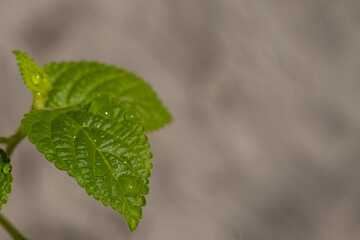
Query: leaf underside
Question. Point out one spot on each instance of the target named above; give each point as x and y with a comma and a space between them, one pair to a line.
102, 144
75, 82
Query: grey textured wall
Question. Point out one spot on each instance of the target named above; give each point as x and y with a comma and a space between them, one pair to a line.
265, 94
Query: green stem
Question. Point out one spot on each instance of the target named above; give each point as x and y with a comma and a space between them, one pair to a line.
11, 229
14, 140
4, 140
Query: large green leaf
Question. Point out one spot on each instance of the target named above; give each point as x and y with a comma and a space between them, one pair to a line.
102, 144
5, 177
75, 82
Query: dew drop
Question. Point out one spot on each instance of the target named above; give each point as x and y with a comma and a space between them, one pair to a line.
90, 190
6, 168
36, 79
129, 115
132, 187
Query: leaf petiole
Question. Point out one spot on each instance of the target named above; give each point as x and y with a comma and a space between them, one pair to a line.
4, 140
11, 229
14, 140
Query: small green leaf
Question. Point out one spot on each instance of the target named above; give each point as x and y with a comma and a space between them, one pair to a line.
103, 149
75, 82
34, 78
5, 177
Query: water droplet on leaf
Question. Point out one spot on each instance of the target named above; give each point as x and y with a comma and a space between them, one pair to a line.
129, 115
6, 168
132, 187
90, 190
36, 79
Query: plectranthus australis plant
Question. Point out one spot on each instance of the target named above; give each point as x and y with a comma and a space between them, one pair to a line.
90, 120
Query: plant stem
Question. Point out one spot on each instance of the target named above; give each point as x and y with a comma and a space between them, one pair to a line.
14, 140
4, 140
11, 229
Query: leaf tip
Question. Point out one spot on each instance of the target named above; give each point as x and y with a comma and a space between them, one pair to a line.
133, 222
34, 78
16, 52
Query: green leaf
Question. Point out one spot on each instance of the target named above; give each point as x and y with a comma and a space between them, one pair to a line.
75, 82
102, 144
34, 78
5, 177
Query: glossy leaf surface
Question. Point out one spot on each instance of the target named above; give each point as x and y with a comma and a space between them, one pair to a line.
75, 82
102, 144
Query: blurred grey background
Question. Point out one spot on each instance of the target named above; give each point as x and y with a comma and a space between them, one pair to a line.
265, 95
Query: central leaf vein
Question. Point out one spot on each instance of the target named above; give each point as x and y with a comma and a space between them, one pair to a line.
102, 156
